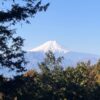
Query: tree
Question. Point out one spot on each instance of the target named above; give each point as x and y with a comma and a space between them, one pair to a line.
51, 63
11, 53
97, 71
52, 77
81, 82
53, 82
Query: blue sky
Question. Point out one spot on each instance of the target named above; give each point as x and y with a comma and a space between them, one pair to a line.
75, 24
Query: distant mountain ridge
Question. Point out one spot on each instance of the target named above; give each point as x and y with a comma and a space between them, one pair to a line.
71, 58
37, 55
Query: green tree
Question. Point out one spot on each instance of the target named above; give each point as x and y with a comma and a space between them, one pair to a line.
51, 63
11, 53
81, 82
97, 71
53, 82
52, 78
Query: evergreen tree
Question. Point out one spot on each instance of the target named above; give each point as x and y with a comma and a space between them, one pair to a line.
52, 77
11, 53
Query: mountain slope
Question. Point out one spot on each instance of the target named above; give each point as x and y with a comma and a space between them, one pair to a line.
37, 55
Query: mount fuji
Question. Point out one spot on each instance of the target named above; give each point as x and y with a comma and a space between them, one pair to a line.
50, 45
71, 58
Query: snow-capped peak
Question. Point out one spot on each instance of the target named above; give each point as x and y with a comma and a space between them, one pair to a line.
50, 45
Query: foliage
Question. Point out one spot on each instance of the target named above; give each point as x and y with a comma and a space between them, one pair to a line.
54, 82
11, 53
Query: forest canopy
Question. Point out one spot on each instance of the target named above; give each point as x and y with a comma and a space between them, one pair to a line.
53, 82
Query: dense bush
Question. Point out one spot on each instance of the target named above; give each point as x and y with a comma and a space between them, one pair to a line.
53, 82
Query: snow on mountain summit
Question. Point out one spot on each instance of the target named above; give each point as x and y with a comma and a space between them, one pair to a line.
71, 58
50, 45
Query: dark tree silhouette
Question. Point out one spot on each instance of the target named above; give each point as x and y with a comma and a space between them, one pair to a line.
81, 82
11, 53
